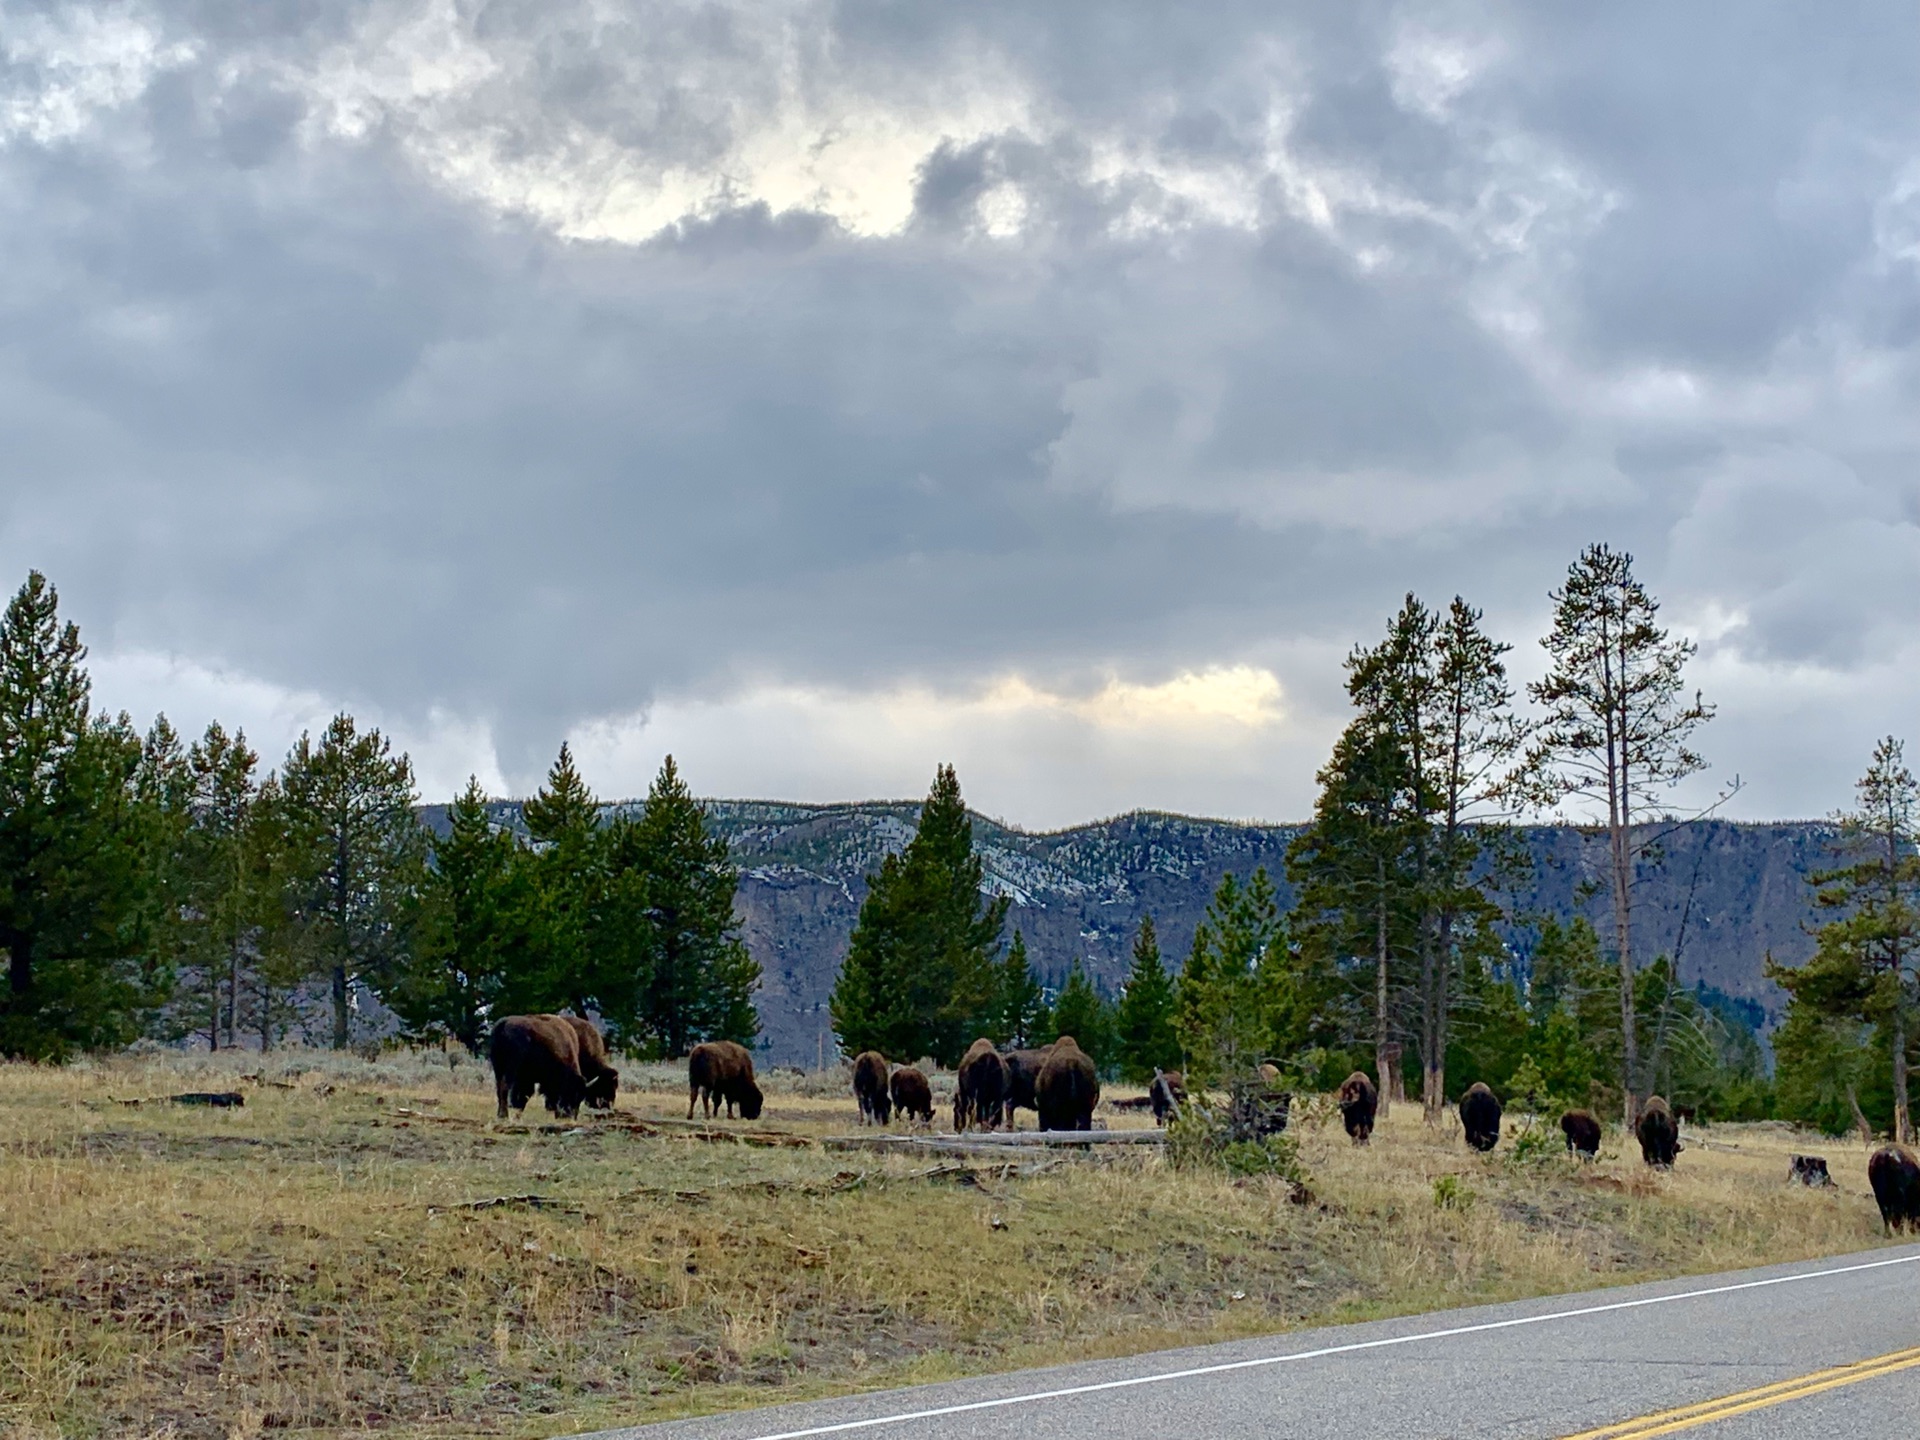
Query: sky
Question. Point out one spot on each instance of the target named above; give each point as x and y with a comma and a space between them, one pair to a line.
820, 392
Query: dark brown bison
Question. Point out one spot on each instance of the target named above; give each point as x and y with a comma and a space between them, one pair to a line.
980, 1087
540, 1052
1023, 1073
1358, 1102
1167, 1094
870, 1087
720, 1072
1659, 1136
1895, 1177
603, 1081
1809, 1170
1583, 1133
1067, 1089
1480, 1117
912, 1095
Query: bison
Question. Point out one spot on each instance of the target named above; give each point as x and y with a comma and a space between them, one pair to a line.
1067, 1089
1659, 1136
1480, 1117
1895, 1177
980, 1089
870, 1087
720, 1072
1809, 1170
602, 1080
1167, 1094
540, 1052
912, 1095
1583, 1133
1358, 1102
1023, 1071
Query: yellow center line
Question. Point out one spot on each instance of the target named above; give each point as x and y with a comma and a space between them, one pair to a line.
1685, 1417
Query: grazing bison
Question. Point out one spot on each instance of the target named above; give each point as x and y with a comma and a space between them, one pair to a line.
1167, 1094
1583, 1133
540, 1052
603, 1081
1358, 1102
980, 1088
1895, 1177
870, 1087
1659, 1136
1023, 1072
1480, 1117
912, 1095
720, 1072
1067, 1089
1809, 1170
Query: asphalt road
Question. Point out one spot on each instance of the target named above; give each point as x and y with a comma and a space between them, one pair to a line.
1757, 1353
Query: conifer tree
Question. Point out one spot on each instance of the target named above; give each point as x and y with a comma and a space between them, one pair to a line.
1860, 971
1615, 734
357, 853
692, 978
1221, 1010
1080, 1010
71, 855
472, 937
1143, 1022
564, 966
920, 976
221, 859
1021, 1016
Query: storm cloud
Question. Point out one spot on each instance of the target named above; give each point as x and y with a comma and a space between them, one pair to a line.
821, 391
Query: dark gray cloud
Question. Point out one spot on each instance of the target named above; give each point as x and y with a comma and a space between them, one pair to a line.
506, 369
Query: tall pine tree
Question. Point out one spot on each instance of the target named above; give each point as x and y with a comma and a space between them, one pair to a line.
1222, 1010
1021, 1015
920, 976
1145, 1039
1080, 1010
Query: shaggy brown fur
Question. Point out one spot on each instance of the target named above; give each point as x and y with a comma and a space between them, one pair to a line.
720, 1072
870, 1087
1023, 1072
1480, 1117
1659, 1136
603, 1081
1895, 1177
980, 1089
912, 1095
1359, 1102
1067, 1089
1167, 1094
1582, 1130
536, 1052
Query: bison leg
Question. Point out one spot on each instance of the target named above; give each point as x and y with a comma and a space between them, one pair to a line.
693, 1094
502, 1087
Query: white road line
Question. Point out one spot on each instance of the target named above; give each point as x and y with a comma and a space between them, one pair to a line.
1162, 1378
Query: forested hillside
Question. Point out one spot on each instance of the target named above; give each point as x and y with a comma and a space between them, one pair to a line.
1723, 896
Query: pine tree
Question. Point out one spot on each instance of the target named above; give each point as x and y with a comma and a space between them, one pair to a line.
692, 978
920, 976
1080, 1010
227, 901
72, 908
464, 962
1615, 735
1021, 1008
358, 856
565, 961
1221, 1009
1355, 870
1143, 1022
1860, 969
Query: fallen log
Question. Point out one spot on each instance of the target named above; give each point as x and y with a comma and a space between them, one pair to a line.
988, 1142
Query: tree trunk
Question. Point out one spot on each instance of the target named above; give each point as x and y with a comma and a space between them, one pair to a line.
20, 965
1902, 1127
1433, 1082
1380, 1039
1859, 1117
340, 1031
1622, 857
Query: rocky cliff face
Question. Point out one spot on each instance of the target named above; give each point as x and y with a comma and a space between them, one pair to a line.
1721, 895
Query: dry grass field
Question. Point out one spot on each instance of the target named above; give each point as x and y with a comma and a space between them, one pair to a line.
361, 1247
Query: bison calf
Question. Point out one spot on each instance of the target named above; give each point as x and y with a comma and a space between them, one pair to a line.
1583, 1133
1659, 1136
720, 1072
1480, 1117
1167, 1094
1895, 1177
912, 1095
536, 1052
870, 1087
1359, 1102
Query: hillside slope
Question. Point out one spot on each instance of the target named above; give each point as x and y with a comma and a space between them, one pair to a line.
1723, 894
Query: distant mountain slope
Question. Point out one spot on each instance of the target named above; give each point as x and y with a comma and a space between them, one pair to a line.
1741, 889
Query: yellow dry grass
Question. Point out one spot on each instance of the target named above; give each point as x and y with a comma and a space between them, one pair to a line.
315, 1263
